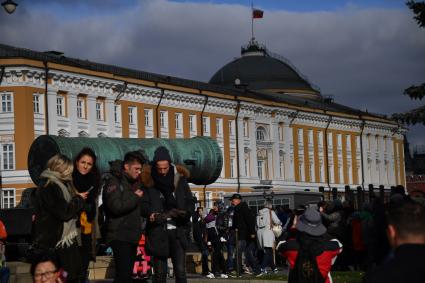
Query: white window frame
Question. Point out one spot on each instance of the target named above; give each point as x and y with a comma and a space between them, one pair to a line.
6, 105
131, 115
81, 108
261, 133
60, 106
300, 134
192, 123
117, 114
209, 199
245, 128
36, 103
310, 137
11, 199
178, 121
219, 127
232, 168
99, 111
148, 117
281, 132
163, 115
8, 157
206, 125
231, 127
247, 166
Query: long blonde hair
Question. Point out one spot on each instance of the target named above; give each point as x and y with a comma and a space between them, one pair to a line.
62, 165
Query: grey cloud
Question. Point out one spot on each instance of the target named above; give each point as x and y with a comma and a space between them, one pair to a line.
366, 58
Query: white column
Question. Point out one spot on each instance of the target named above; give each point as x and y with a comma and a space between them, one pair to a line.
383, 175
392, 162
274, 136
239, 124
289, 140
91, 116
52, 112
72, 113
110, 117
253, 146
366, 171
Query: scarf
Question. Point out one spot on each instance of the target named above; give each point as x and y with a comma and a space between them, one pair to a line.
70, 232
165, 184
83, 182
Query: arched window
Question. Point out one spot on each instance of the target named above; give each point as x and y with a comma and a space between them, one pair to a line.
261, 134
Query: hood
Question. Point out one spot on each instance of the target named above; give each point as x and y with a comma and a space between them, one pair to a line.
264, 211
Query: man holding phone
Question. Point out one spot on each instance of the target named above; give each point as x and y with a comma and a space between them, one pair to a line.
121, 198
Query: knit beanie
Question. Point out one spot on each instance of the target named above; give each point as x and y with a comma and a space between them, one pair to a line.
161, 154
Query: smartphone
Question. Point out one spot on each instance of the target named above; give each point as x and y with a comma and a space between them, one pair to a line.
91, 188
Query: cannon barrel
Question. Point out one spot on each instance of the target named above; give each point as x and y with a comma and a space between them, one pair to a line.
201, 155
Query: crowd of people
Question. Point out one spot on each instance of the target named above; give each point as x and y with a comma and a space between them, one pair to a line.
76, 208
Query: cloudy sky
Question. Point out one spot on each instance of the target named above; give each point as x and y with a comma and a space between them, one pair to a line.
365, 53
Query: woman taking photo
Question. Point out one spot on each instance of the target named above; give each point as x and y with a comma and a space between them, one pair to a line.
56, 210
86, 178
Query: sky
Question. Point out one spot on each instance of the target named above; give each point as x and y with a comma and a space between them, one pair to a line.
364, 53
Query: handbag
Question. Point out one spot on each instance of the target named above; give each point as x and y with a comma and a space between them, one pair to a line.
276, 228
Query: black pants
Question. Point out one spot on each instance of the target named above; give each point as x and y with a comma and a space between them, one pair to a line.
124, 257
268, 259
178, 257
218, 265
86, 253
70, 259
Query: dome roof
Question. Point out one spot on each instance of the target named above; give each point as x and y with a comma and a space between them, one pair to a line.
257, 70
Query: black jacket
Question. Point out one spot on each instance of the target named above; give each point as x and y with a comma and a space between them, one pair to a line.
244, 221
51, 211
154, 202
406, 265
122, 209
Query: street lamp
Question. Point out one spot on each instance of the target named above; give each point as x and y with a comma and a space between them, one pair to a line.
9, 6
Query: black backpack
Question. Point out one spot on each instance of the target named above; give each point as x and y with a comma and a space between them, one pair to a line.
306, 269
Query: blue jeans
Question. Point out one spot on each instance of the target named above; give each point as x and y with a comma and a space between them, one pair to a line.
230, 264
248, 248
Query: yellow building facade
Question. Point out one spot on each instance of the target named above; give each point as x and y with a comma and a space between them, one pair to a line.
283, 135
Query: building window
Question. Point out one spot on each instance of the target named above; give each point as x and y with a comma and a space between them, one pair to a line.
310, 171
246, 165
36, 103
80, 108
261, 169
321, 170
280, 132
348, 142
132, 115
385, 144
99, 111
206, 124
8, 157
376, 143
261, 134
320, 138
6, 102
8, 198
178, 120
340, 172
245, 128
209, 201
148, 113
60, 106
163, 119
330, 140
117, 113
219, 126
339, 140
192, 123
231, 127
232, 168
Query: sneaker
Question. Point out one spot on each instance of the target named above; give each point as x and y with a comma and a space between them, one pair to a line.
275, 270
260, 274
246, 270
233, 274
223, 276
210, 275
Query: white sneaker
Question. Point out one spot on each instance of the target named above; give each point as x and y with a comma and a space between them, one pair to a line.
210, 275
224, 276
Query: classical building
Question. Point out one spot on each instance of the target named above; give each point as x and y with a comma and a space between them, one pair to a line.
274, 127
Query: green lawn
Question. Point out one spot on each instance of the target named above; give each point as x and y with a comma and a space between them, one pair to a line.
347, 276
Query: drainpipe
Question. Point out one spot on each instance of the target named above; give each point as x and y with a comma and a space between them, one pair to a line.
361, 150
327, 153
202, 134
2, 74
238, 107
1, 178
158, 126
46, 101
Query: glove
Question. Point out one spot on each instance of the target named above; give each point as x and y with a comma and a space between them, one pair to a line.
160, 218
175, 213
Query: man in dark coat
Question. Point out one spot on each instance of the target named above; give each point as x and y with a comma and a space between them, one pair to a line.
406, 234
121, 199
168, 206
244, 221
